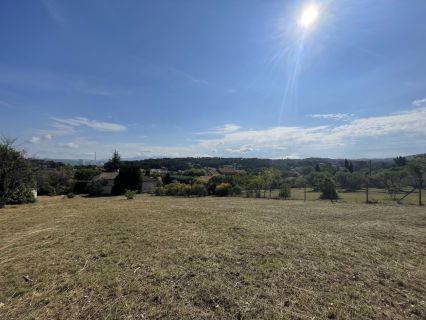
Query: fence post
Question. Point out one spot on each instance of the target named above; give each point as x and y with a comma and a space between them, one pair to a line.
368, 181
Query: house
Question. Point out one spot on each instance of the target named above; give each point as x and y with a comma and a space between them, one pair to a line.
107, 182
149, 184
158, 172
229, 170
107, 179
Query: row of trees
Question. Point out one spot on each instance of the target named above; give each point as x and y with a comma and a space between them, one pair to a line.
19, 176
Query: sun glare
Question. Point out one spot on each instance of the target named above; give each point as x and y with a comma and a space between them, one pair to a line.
309, 16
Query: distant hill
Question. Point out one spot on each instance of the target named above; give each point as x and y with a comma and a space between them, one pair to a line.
248, 164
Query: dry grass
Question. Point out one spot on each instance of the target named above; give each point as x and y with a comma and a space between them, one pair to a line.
211, 258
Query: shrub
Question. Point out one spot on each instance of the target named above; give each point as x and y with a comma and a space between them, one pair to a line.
328, 190
184, 190
160, 191
22, 194
223, 189
130, 194
285, 191
172, 189
235, 190
95, 187
199, 190
70, 195
80, 187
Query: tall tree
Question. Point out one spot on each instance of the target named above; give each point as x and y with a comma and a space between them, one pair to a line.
351, 167
346, 164
400, 161
114, 163
15, 170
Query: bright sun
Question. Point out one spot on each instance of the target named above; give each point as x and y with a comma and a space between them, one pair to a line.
309, 16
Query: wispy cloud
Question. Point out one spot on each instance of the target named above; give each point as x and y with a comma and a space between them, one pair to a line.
94, 124
370, 136
333, 116
70, 145
317, 140
419, 103
223, 129
35, 140
54, 11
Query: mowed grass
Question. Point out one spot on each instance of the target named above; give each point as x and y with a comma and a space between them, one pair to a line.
211, 258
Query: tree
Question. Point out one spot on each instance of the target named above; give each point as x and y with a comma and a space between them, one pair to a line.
15, 171
351, 167
114, 163
269, 176
167, 179
400, 161
317, 168
328, 190
129, 178
349, 181
346, 164
223, 190
285, 191
199, 189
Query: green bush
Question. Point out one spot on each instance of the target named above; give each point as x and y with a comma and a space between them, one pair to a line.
223, 189
130, 194
172, 189
70, 195
22, 194
80, 187
184, 190
285, 191
199, 190
328, 190
235, 190
160, 191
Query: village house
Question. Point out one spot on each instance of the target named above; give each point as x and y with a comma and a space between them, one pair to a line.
148, 183
229, 170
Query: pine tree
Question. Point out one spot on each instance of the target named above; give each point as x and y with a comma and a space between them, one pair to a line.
346, 164
351, 167
114, 163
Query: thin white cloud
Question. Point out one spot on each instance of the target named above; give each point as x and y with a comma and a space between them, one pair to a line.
220, 130
419, 103
94, 124
387, 135
70, 145
35, 140
333, 116
54, 11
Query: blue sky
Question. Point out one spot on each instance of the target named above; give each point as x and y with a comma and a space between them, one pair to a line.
213, 78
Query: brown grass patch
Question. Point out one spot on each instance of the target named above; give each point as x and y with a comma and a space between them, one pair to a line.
211, 258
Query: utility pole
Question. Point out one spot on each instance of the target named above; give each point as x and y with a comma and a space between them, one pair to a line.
368, 181
304, 193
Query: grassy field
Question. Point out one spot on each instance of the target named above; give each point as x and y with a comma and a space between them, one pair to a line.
211, 258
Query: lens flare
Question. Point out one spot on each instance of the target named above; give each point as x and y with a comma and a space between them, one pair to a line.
309, 16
